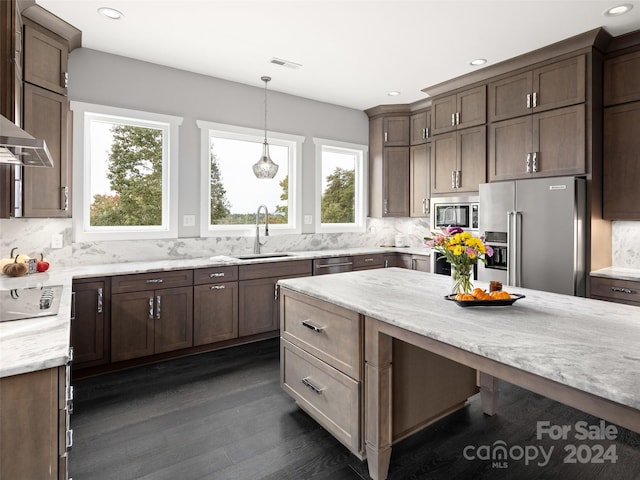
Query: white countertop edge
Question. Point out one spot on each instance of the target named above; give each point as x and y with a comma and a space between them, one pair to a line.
618, 273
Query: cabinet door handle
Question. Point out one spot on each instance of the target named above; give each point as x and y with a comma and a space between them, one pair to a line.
276, 292
535, 99
307, 383
214, 275
386, 206
313, 327
150, 308
158, 307
100, 298
457, 118
217, 287
154, 280
73, 306
453, 119
453, 179
528, 163
64, 191
368, 260
534, 166
528, 100
622, 290
426, 134
65, 79
386, 263
458, 175
385, 137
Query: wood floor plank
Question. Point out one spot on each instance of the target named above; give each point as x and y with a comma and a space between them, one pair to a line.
223, 416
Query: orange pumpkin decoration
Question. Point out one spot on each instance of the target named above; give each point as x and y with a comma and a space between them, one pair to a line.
500, 295
465, 296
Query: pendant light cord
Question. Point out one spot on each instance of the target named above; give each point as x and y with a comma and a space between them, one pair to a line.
265, 80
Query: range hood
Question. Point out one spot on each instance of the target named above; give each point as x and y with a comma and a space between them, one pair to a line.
17, 147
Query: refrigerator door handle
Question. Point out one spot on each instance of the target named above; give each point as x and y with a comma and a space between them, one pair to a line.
510, 248
518, 249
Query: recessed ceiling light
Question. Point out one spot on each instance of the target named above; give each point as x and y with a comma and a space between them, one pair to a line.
618, 10
111, 13
477, 62
393, 93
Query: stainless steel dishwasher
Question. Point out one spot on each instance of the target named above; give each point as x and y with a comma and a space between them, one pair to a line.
322, 266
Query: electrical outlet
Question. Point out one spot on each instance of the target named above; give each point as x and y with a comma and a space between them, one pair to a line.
189, 220
308, 219
57, 240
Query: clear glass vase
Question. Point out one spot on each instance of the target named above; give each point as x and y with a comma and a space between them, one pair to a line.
461, 277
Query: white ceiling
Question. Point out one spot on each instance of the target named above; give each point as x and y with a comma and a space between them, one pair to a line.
352, 52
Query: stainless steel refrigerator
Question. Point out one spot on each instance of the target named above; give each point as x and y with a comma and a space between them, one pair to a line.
537, 230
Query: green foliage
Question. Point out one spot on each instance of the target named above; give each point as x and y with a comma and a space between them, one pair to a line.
135, 175
219, 203
283, 210
338, 201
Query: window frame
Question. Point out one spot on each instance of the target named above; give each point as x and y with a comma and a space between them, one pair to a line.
84, 114
234, 132
361, 188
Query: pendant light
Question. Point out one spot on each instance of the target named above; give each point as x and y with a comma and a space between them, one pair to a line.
265, 168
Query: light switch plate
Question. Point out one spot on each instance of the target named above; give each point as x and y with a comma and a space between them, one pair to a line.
308, 219
57, 240
189, 220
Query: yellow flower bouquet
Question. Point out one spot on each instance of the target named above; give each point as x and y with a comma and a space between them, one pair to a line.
462, 250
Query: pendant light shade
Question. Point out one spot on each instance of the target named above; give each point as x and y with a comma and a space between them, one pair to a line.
265, 168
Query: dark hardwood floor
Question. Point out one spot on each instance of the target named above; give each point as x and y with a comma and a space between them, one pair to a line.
222, 415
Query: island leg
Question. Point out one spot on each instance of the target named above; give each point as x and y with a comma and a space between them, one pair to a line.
489, 393
378, 397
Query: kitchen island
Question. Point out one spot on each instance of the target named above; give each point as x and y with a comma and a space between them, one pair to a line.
581, 352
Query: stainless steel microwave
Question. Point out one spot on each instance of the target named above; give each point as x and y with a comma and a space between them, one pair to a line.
463, 212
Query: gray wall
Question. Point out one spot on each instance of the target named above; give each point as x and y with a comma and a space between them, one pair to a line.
98, 77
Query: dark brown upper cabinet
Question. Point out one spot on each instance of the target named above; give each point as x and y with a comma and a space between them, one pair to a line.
421, 127
461, 110
45, 59
622, 79
556, 85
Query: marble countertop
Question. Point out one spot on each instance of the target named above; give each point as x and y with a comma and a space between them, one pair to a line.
35, 344
618, 273
587, 344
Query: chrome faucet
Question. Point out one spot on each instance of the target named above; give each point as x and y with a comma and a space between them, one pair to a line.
257, 244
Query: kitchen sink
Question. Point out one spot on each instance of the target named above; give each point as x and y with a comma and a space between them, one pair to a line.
255, 256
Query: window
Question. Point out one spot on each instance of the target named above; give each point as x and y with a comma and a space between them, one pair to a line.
232, 194
129, 173
340, 186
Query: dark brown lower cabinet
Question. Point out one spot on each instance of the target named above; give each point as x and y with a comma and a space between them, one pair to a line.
153, 321
33, 425
259, 305
215, 314
89, 329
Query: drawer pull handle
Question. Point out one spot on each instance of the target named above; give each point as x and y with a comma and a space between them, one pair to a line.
313, 327
368, 259
621, 290
217, 287
213, 275
155, 280
307, 383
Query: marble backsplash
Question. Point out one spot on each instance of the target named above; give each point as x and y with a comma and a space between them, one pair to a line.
33, 236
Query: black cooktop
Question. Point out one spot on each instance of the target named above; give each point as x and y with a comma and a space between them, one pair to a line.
21, 303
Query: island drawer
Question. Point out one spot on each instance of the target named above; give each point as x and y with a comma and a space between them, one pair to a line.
331, 333
203, 276
326, 394
363, 262
623, 291
151, 281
